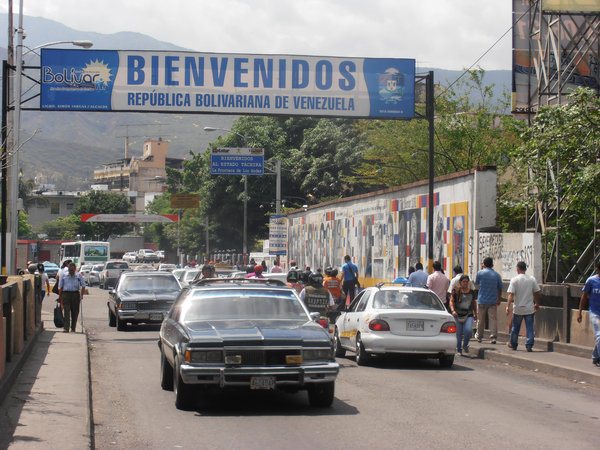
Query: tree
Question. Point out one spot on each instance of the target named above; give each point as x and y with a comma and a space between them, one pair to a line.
560, 155
64, 228
467, 134
103, 202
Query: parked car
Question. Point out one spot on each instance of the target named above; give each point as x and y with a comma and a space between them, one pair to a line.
165, 267
146, 255
93, 277
188, 276
112, 271
396, 319
160, 254
50, 269
141, 297
85, 270
130, 257
251, 333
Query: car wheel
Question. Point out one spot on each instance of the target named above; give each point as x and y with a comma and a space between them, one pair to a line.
166, 373
121, 325
112, 320
340, 351
320, 395
362, 357
184, 395
446, 361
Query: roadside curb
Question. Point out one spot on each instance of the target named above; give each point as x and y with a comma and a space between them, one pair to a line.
14, 367
577, 375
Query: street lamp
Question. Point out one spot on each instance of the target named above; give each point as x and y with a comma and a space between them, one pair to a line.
12, 156
245, 232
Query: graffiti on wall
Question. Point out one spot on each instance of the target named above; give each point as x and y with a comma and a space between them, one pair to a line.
507, 249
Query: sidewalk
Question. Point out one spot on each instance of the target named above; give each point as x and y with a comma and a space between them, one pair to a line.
48, 404
541, 359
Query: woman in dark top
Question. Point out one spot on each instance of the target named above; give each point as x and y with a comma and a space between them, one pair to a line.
463, 306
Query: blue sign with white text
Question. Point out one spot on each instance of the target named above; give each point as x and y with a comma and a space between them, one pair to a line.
161, 81
237, 161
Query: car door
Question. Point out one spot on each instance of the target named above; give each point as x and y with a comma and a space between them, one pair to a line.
349, 325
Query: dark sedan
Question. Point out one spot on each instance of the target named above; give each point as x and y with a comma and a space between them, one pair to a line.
253, 333
141, 297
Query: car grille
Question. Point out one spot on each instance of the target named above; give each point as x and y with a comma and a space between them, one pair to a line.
154, 305
262, 357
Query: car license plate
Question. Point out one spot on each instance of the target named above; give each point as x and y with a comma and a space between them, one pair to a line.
415, 325
262, 383
156, 316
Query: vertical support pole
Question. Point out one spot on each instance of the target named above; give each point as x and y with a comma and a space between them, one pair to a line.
245, 235
557, 268
207, 240
4, 162
430, 118
277, 187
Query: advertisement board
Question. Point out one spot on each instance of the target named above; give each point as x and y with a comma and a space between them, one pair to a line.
237, 161
161, 81
278, 225
185, 201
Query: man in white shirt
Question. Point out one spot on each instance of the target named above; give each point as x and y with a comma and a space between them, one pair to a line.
524, 292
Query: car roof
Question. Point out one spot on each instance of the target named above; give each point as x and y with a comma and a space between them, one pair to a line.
147, 272
236, 283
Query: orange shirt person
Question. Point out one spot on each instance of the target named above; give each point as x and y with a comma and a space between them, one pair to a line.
333, 284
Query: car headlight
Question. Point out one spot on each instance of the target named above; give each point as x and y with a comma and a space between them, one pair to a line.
203, 356
317, 354
127, 305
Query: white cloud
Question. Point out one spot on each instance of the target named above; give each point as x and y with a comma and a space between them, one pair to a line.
437, 33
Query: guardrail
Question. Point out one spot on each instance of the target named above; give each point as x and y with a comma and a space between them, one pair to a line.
21, 316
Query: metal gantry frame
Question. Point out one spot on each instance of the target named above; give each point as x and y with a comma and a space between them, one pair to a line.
564, 50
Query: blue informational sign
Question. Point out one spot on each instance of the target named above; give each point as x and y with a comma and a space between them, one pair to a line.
237, 161
161, 81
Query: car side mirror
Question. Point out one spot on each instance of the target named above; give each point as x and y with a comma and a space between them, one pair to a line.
314, 316
111, 291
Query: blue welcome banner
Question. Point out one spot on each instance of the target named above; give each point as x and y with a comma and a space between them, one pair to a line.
160, 81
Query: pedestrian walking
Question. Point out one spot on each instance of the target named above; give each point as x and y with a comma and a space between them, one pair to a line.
488, 299
525, 293
591, 298
463, 306
439, 283
45, 281
71, 288
418, 278
276, 267
349, 278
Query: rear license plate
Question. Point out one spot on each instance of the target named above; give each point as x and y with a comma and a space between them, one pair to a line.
156, 316
262, 383
415, 325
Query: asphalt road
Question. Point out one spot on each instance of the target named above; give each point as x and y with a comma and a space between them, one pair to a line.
394, 404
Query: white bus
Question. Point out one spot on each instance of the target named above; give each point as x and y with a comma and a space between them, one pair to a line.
85, 252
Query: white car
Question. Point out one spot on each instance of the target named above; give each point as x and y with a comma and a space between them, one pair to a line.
130, 257
165, 267
93, 276
396, 319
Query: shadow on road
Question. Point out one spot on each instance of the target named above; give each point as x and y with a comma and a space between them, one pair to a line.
216, 402
406, 362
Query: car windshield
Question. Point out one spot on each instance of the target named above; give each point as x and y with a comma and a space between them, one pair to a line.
239, 304
190, 275
84, 267
147, 284
49, 264
117, 265
98, 267
389, 299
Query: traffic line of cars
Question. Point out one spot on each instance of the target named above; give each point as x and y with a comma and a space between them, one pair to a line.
257, 333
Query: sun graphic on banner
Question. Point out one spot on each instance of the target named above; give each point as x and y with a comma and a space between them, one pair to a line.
100, 70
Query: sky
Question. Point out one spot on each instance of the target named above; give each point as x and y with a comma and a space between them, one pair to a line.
447, 34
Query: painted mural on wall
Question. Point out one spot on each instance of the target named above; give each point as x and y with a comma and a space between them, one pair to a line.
384, 236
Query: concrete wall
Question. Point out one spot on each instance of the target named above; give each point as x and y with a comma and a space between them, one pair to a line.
507, 249
385, 232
